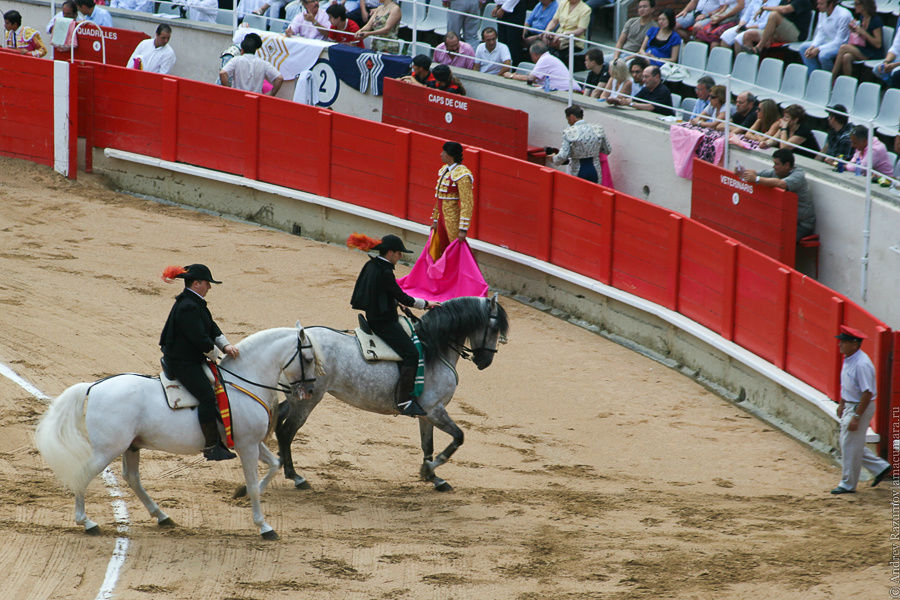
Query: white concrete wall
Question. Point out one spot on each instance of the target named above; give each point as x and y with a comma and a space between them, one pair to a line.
641, 161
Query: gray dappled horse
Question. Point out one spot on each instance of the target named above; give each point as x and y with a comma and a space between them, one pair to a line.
344, 373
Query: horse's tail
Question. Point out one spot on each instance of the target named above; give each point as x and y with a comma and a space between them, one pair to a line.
62, 440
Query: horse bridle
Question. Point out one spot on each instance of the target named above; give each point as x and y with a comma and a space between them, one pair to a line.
464, 351
293, 385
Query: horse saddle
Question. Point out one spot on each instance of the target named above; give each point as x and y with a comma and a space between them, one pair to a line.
373, 348
176, 394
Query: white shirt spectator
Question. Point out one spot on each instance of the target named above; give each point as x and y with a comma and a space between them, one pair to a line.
249, 71
138, 5
554, 71
300, 26
832, 30
485, 59
201, 10
153, 59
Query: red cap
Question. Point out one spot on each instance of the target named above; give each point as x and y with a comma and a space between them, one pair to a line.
849, 334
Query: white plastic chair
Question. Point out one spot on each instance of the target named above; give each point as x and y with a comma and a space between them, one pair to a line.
693, 59
887, 38
486, 19
820, 136
818, 91
768, 78
224, 17
256, 22
893, 158
744, 72
687, 107
420, 48
719, 62
865, 104
676, 102
524, 67
886, 122
844, 91
435, 19
793, 85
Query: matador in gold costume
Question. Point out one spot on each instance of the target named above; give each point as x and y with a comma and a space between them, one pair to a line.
453, 200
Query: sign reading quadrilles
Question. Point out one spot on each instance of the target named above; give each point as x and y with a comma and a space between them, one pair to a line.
120, 43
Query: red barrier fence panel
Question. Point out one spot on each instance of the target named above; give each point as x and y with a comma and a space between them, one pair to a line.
582, 219
760, 306
212, 126
813, 321
512, 207
294, 146
26, 108
706, 290
644, 236
127, 110
880, 348
424, 162
120, 44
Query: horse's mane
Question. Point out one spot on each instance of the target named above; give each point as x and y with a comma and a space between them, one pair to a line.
457, 318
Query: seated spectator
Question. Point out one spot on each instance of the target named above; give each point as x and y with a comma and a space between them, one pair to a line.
582, 144
343, 30
704, 85
571, 18
454, 52
619, 84
723, 19
859, 140
793, 133
787, 23
136, 5
654, 91
420, 71
837, 143
537, 21
753, 18
444, 80
200, 10
155, 54
383, 22
785, 175
636, 68
661, 42
767, 124
310, 22
745, 111
23, 40
95, 14
713, 116
492, 56
548, 71
695, 15
68, 11
832, 31
247, 71
865, 43
635, 29
887, 71
597, 75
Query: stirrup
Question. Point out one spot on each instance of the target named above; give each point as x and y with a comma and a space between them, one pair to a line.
218, 452
411, 408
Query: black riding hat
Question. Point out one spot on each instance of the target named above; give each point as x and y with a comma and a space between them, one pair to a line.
391, 242
197, 272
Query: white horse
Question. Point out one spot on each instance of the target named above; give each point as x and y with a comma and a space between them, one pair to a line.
90, 424
370, 386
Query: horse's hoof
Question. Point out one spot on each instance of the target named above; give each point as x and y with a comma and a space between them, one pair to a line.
444, 487
95, 530
302, 484
167, 522
240, 492
426, 473
269, 535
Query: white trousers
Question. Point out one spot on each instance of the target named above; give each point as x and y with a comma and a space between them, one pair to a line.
854, 453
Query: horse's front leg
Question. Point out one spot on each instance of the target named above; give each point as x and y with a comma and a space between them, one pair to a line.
249, 457
273, 463
426, 435
439, 418
292, 414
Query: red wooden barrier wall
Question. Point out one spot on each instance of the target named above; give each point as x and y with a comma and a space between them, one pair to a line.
26, 108
773, 311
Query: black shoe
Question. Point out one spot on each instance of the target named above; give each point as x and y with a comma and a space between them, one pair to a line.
881, 476
218, 452
840, 490
411, 408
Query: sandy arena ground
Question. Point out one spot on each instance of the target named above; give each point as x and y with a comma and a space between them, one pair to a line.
588, 471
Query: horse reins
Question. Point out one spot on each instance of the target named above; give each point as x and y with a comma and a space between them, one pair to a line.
287, 389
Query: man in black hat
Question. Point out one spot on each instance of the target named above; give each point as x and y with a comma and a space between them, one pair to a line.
189, 337
855, 410
377, 293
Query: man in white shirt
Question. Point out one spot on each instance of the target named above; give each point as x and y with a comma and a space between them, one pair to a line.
310, 22
549, 71
832, 31
490, 52
855, 410
95, 14
68, 11
136, 5
154, 55
248, 70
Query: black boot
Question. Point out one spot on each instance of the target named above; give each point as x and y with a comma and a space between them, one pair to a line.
405, 384
213, 449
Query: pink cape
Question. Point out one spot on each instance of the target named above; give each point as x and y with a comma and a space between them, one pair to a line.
453, 275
